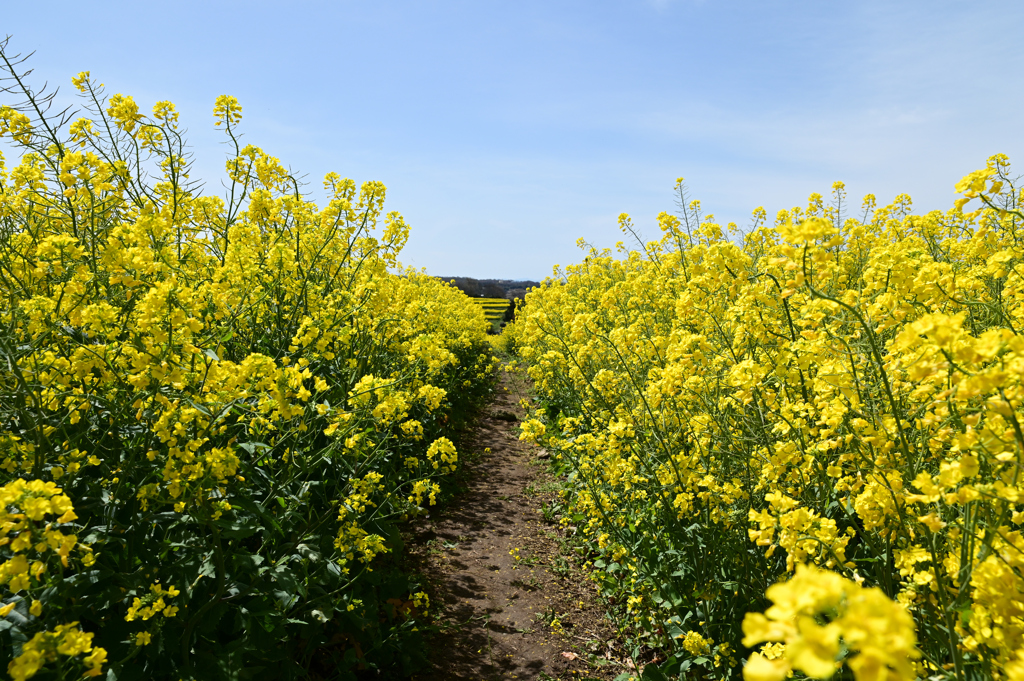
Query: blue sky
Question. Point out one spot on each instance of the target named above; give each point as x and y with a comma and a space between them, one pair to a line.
506, 130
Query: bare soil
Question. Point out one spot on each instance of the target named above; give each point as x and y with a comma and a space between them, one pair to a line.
508, 596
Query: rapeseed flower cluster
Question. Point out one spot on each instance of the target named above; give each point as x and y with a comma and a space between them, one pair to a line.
833, 396
816, 616
214, 411
48, 647
34, 543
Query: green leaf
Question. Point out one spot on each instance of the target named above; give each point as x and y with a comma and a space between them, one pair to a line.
652, 673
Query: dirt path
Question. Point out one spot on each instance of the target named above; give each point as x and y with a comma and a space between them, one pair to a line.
509, 604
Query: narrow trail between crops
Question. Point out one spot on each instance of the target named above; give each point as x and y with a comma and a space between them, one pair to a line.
508, 603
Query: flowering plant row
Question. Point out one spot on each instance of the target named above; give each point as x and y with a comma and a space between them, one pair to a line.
833, 402
213, 411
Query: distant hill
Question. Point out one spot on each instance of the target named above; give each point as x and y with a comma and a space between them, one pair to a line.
492, 288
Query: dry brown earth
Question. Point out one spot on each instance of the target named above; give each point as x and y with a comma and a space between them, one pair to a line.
507, 600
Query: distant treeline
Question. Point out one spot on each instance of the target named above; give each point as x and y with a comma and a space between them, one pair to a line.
491, 288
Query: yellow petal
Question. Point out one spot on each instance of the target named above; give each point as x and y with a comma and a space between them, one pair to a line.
759, 668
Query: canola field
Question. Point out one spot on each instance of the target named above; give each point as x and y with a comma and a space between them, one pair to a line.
214, 412
798, 450
494, 310
792, 452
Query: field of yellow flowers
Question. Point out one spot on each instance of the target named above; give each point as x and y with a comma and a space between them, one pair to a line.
213, 411
800, 449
